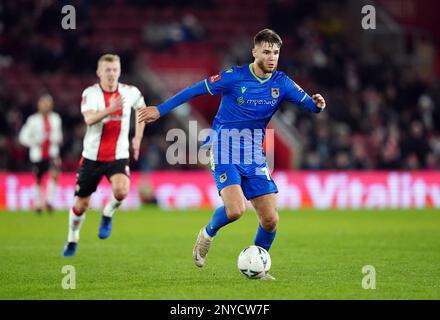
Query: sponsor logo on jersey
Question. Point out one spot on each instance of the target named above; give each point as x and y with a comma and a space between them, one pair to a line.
275, 92
256, 102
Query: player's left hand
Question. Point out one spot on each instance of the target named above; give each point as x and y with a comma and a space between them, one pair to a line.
136, 144
148, 114
319, 100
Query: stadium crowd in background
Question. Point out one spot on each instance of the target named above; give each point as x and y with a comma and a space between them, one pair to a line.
383, 113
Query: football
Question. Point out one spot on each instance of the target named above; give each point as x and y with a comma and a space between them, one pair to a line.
254, 262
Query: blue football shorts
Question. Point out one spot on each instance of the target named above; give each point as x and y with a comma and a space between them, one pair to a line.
255, 179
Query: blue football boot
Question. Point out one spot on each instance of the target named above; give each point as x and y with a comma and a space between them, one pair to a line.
105, 228
70, 249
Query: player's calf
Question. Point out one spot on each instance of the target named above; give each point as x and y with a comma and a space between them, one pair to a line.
76, 219
77, 215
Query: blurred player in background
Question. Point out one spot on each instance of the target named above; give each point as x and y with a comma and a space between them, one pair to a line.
250, 96
106, 107
42, 134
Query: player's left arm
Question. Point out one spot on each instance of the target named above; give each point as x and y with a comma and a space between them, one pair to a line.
140, 126
315, 103
137, 139
29, 135
59, 130
24, 136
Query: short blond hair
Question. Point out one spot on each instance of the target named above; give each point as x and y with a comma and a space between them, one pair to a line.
108, 57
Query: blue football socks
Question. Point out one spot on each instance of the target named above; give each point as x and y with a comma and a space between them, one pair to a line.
264, 238
219, 220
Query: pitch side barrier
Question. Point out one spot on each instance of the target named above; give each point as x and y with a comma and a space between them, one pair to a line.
297, 189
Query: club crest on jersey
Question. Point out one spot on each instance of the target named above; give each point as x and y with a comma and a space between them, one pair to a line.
223, 177
215, 78
275, 92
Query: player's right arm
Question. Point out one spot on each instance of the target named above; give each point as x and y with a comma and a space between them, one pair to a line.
89, 108
213, 85
93, 117
28, 136
25, 135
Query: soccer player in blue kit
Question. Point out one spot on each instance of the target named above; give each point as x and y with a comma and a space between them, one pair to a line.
250, 96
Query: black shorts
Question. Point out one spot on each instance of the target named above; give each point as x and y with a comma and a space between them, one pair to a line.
40, 168
91, 172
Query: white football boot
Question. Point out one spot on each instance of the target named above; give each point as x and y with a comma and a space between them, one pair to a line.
201, 248
267, 277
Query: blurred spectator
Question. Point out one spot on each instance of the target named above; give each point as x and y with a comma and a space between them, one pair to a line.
389, 157
191, 28
416, 147
156, 35
162, 35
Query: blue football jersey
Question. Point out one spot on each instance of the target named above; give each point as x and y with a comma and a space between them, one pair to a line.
248, 102
249, 99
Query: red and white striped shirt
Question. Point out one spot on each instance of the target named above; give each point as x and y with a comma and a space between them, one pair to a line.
42, 135
107, 140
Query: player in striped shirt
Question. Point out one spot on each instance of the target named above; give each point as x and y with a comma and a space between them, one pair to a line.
42, 134
106, 107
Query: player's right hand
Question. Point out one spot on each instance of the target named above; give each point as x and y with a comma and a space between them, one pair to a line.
148, 114
116, 104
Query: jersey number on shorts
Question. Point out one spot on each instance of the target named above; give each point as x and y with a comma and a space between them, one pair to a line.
266, 172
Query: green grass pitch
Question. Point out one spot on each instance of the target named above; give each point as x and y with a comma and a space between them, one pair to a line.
316, 255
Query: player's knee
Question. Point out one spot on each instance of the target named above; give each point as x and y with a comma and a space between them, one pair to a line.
54, 175
235, 212
120, 193
82, 205
270, 223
